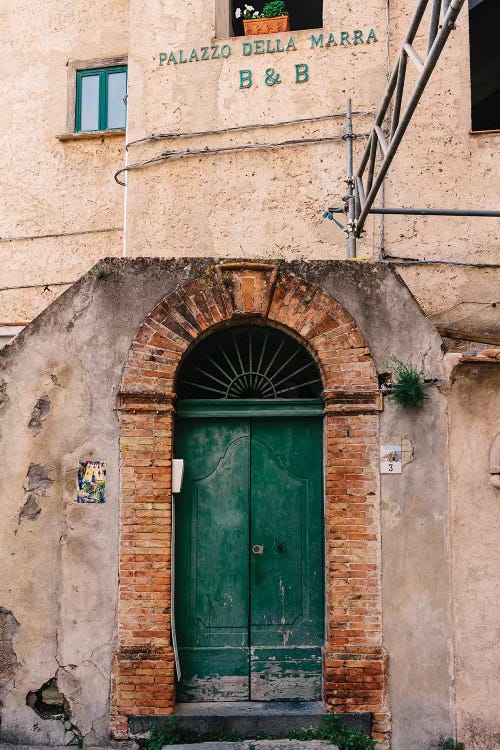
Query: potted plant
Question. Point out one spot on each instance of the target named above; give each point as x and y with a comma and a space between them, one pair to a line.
272, 20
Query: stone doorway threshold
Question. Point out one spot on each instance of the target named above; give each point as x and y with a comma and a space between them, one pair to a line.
247, 719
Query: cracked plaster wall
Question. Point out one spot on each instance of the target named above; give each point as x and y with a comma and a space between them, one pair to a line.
60, 568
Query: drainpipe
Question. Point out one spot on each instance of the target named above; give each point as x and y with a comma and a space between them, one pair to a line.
124, 241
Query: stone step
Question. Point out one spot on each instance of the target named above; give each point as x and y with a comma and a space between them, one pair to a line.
244, 720
256, 745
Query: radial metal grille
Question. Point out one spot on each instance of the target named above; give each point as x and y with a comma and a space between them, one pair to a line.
249, 362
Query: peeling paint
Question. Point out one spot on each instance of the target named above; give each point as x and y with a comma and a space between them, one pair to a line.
40, 413
36, 484
8, 659
282, 596
215, 688
30, 509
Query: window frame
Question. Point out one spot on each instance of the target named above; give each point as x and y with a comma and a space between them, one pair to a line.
477, 66
103, 112
224, 20
76, 66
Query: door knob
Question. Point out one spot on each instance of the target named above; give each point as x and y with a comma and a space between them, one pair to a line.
258, 549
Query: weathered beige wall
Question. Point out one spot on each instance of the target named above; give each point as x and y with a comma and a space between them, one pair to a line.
271, 201
252, 203
440, 163
47, 186
474, 416
249, 204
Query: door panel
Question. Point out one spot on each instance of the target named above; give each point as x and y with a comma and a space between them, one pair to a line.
286, 578
279, 502
250, 624
212, 518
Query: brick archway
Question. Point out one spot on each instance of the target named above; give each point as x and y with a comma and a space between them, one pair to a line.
354, 665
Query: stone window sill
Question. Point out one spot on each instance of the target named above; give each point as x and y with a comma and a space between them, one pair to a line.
90, 136
484, 132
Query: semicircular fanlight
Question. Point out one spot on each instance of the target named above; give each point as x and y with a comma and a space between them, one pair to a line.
249, 362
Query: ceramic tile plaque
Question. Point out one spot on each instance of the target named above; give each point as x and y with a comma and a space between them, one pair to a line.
391, 459
91, 482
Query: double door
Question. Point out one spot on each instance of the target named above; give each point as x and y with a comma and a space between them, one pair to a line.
249, 604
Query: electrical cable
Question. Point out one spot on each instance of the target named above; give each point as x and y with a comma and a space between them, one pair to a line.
167, 155
60, 234
36, 286
409, 262
239, 128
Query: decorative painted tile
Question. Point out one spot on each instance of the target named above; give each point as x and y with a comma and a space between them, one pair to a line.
91, 482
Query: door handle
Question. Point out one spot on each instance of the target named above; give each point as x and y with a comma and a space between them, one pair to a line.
258, 549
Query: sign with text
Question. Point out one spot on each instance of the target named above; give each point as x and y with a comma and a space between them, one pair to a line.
251, 48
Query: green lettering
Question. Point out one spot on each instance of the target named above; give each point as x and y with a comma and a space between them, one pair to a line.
204, 53
331, 41
246, 49
245, 79
344, 37
193, 56
268, 47
225, 50
181, 58
371, 37
317, 41
279, 48
358, 36
290, 45
259, 47
163, 57
301, 73
171, 58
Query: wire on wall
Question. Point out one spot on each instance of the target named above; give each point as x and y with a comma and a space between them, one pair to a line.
240, 128
167, 155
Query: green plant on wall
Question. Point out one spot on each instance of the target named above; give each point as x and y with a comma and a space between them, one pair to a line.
274, 8
169, 735
450, 744
100, 272
333, 730
408, 388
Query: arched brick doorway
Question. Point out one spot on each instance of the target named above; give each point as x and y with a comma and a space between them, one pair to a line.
353, 660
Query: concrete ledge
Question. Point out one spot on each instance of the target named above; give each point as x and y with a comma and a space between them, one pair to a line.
245, 720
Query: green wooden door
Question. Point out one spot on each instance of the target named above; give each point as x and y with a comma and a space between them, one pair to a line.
286, 578
249, 558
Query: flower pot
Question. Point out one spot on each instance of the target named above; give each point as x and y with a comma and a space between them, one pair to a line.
263, 26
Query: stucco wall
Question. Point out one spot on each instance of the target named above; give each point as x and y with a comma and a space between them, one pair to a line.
474, 416
49, 187
65, 600
254, 203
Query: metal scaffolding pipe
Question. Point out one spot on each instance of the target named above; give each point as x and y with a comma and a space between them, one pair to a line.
350, 197
429, 65
426, 212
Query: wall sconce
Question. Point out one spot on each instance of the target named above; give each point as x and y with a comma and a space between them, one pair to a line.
495, 462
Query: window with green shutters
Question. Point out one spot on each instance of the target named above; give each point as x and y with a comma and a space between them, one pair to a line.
101, 99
